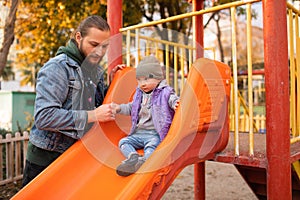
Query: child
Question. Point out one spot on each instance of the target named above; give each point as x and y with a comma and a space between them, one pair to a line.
151, 110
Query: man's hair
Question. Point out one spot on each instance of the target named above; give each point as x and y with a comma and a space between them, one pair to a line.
93, 21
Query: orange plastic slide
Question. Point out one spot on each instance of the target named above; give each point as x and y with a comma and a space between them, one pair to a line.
199, 130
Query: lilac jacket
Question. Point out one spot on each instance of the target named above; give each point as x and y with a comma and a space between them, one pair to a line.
162, 104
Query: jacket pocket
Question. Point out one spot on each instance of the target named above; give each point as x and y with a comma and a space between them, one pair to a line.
74, 92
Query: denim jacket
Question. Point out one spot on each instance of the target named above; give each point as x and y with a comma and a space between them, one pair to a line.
59, 116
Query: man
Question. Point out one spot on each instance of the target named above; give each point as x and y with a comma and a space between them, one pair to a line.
69, 94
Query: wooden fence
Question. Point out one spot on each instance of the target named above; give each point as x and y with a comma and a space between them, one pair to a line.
12, 157
258, 120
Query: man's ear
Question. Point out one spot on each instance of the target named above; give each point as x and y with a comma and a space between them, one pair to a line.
78, 37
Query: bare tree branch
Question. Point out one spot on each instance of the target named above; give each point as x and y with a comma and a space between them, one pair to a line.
8, 34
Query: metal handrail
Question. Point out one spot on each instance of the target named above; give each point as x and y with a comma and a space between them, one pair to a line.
190, 14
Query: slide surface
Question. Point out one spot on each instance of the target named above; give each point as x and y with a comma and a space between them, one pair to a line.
199, 130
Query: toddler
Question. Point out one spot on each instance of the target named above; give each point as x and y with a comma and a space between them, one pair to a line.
151, 110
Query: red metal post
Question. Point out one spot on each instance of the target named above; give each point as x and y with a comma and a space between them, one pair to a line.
199, 181
114, 19
277, 99
198, 28
199, 168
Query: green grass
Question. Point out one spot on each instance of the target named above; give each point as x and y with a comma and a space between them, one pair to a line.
257, 110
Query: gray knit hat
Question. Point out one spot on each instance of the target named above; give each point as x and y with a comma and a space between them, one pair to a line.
149, 67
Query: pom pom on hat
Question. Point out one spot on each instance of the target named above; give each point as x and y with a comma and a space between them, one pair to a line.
149, 67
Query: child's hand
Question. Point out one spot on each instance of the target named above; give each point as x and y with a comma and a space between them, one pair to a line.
115, 107
176, 105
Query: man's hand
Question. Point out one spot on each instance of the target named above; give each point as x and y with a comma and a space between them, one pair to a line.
103, 113
114, 70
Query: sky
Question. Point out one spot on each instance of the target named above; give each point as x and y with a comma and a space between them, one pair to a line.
258, 9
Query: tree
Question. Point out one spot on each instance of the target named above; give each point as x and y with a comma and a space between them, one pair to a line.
43, 26
8, 73
8, 34
218, 15
131, 12
169, 31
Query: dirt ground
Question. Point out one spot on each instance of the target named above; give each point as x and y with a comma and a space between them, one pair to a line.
223, 182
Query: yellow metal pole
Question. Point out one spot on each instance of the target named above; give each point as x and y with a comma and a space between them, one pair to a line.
298, 75
156, 50
175, 70
295, 139
235, 80
128, 48
182, 68
190, 14
167, 64
147, 49
290, 6
232, 116
250, 86
137, 44
163, 42
292, 71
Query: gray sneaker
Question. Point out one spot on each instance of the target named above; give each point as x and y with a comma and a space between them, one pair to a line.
128, 166
139, 163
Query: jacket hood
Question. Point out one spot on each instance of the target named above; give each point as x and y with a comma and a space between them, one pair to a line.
72, 51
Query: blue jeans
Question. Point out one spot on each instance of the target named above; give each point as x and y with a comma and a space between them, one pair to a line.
140, 139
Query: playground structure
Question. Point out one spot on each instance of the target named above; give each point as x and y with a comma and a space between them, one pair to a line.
200, 129
268, 162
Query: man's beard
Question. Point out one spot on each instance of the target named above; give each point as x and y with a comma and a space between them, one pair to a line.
90, 65
89, 69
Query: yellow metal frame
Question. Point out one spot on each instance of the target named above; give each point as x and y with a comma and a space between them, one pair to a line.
294, 52
236, 100
296, 166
